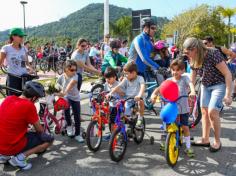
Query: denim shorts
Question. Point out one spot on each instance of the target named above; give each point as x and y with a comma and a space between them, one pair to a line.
33, 140
212, 96
184, 119
128, 105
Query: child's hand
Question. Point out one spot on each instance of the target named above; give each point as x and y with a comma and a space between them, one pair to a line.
153, 98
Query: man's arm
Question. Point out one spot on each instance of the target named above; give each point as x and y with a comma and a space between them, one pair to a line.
229, 53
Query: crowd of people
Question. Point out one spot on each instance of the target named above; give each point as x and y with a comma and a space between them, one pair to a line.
215, 64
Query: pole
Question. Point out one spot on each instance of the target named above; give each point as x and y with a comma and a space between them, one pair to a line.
106, 17
23, 4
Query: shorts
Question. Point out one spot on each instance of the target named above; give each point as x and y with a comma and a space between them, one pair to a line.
212, 96
184, 119
113, 113
33, 140
128, 107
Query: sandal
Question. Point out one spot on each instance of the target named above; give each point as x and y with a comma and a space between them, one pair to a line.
200, 144
213, 150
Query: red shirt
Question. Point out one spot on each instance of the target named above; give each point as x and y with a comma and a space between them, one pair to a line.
15, 116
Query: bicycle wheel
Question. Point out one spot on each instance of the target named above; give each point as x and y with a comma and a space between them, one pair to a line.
139, 133
97, 88
117, 145
171, 150
195, 114
94, 136
43, 65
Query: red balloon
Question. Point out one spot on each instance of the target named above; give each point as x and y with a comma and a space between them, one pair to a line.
169, 90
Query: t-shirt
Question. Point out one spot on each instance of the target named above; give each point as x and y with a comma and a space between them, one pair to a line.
15, 116
16, 59
93, 52
133, 87
105, 48
210, 74
107, 88
123, 51
76, 56
183, 85
73, 94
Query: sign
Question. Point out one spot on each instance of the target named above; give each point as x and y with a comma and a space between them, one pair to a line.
137, 15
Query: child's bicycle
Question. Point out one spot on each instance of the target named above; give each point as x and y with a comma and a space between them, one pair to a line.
119, 138
173, 139
99, 119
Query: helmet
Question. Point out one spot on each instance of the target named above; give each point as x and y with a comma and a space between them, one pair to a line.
61, 104
17, 31
160, 45
115, 44
233, 47
148, 21
34, 89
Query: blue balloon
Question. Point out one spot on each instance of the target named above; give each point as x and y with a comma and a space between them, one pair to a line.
169, 112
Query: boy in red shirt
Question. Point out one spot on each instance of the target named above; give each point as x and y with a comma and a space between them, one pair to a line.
16, 113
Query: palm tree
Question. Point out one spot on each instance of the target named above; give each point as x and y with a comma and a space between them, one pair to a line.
228, 13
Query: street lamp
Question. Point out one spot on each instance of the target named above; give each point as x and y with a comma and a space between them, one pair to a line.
23, 4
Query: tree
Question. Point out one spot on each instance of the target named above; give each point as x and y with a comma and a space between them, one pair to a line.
198, 22
227, 13
122, 27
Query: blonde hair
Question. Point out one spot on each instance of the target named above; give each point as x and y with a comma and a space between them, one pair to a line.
191, 43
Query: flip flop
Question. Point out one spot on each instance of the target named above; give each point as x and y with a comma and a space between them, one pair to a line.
213, 150
200, 144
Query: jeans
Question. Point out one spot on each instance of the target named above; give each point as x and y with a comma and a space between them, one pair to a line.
76, 111
15, 83
80, 80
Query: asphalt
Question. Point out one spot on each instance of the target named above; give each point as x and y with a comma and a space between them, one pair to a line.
67, 157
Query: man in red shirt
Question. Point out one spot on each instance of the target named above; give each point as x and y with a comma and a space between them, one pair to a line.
16, 113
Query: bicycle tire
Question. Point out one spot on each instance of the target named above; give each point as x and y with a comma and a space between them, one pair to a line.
171, 151
60, 67
113, 142
97, 88
95, 148
43, 65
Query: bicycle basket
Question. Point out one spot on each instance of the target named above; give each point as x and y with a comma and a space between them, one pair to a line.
61, 104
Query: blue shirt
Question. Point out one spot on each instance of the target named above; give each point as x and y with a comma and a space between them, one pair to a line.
140, 52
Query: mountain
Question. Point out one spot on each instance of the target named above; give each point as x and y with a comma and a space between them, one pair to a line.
82, 23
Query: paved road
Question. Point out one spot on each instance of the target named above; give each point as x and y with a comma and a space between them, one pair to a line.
67, 157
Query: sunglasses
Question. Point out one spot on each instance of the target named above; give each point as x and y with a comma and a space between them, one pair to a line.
205, 43
83, 46
72, 70
153, 28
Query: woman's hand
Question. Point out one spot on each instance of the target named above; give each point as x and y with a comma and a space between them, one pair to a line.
137, 98
227, 100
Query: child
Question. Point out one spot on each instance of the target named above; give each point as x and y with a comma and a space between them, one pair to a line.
133, 86
68, 83
177, 69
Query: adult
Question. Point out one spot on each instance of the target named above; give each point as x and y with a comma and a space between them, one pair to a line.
105, 47
94, 54
142, 47
16, 114
69, 49
216, 87
16, 58
80, 55
124, 49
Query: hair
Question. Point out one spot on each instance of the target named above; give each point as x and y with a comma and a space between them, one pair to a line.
124, 42
11, 40
191, 43
110, 72
80, 41
209, 38
69, 64
179, 63
27, 42
131, 67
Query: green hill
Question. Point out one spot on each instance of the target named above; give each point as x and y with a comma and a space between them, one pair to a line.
82, 23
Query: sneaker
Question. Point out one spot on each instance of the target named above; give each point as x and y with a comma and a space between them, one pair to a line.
139, 124
69, 131
4, 159
162, 146
189, 152
23, 164
106, 138
79, 139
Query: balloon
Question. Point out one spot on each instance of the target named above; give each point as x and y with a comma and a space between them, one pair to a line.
169, 90
169, 112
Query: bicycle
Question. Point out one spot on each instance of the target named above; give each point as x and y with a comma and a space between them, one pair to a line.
173, 139
56, 66
98, 121
119, 138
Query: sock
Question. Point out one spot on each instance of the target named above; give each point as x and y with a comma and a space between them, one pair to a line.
187, 142
21, 156
140, 117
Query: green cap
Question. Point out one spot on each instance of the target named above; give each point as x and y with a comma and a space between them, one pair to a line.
17, 31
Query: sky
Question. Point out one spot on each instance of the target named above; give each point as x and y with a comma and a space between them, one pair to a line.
39, 12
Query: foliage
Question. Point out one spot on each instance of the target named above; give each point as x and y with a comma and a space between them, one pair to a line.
198, 22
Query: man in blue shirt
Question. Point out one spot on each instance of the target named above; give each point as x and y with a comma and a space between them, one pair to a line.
142, 47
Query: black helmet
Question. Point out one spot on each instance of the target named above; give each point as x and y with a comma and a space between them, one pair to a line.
148, 21
34, 89
115, 44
